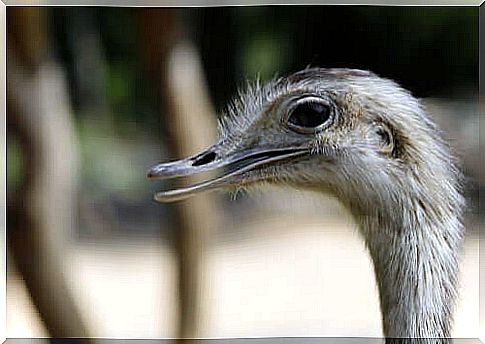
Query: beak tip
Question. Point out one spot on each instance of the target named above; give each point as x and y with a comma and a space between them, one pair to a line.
154, 173
161, 197
156, 198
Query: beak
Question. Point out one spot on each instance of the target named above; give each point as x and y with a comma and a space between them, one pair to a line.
235, 165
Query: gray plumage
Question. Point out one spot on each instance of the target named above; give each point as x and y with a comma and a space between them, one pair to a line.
375, 149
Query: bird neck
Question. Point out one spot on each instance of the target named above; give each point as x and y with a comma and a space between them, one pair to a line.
415, 263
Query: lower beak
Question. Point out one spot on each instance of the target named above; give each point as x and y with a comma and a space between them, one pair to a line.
236, 166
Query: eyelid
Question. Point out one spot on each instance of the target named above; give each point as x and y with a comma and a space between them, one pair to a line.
310, 99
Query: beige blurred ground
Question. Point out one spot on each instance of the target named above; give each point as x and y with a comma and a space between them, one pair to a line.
294, 267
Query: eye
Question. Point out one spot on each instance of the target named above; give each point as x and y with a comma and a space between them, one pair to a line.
310, 115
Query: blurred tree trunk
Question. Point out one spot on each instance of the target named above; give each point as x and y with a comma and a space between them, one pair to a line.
41, 214
190, 126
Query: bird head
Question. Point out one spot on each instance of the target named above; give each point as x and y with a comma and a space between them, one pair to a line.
347, 132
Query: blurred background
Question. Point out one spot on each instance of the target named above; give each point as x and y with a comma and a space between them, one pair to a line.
95, 96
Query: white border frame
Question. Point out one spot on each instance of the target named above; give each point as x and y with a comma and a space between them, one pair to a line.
177, 3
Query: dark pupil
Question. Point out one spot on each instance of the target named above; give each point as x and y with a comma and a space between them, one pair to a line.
309, 115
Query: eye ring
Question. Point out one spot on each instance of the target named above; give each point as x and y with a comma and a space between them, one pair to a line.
309, 115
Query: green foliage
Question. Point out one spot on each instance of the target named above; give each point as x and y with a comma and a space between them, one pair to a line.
15, 163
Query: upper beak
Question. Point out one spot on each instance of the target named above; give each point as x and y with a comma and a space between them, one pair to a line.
237, 164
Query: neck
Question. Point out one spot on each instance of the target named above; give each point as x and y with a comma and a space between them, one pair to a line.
415, 262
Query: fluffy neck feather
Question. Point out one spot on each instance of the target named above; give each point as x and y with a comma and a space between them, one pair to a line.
415, 263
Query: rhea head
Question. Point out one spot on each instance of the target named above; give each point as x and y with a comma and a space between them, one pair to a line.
342, 131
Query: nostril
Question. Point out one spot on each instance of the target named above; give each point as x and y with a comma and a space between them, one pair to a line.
204, 159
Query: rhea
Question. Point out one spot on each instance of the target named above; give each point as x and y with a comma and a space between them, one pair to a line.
370, 143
